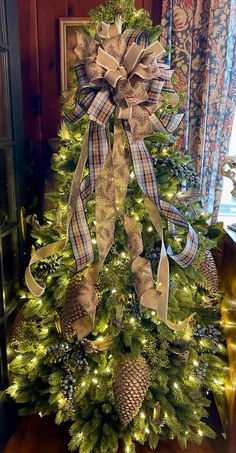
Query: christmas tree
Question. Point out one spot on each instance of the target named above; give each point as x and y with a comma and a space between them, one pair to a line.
97, 347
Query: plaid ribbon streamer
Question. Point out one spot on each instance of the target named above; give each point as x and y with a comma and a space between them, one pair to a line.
144, 172
98, 145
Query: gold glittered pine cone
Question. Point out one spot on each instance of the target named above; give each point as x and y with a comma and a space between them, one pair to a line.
20, 319
130, 385
208, 269
79, 307
72, 309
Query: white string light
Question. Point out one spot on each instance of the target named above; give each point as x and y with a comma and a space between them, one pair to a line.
45, 330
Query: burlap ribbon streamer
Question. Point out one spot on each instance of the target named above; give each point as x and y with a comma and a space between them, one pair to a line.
120, 71
153, 295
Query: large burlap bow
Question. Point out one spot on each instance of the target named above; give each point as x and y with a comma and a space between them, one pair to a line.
121, 71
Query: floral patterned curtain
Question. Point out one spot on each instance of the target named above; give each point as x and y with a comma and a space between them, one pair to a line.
202, 34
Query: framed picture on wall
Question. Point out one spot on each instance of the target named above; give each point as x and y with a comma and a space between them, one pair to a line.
68, 27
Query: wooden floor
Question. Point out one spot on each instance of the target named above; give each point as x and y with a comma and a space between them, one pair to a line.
41, 435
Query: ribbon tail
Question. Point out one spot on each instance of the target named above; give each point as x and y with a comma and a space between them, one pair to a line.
143, 166
39, 255
105, 209
111, 191
50, 249
162, 284
98, 149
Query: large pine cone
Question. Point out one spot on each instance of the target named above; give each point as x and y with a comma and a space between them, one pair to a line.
208, 269
79, 307
130, 384
20, 319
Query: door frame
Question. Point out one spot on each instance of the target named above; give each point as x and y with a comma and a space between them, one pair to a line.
11, 48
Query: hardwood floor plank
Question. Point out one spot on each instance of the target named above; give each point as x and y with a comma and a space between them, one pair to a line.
41, 435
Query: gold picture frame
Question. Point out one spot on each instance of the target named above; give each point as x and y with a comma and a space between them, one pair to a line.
67, 29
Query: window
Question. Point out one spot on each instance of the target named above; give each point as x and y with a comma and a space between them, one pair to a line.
227, 212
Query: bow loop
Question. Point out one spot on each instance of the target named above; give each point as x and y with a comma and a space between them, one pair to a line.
147, 69
86, 46
140, 37
130, 94
114, 70
107, 31
94, 72
132, 56
116, 47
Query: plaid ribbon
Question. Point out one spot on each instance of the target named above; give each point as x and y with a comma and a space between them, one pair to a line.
98, 145
144, 172
99, 104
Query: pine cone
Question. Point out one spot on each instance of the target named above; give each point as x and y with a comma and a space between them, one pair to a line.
20, 319
208, 269
79, 307
130, 384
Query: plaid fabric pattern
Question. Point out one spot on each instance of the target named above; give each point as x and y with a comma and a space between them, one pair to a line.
102, 107
80, 237
154, 88
82, 77
139, 37
144, 172
166, 123
165, 74
186, 256
143, 168
98, 143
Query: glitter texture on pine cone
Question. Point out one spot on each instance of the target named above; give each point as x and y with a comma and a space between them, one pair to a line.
72, 309
130, 384
208, 269
17, 325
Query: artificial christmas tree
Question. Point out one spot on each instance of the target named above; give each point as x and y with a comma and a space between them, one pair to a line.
112, 326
